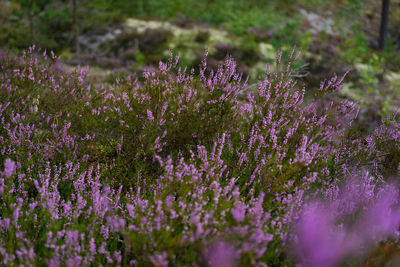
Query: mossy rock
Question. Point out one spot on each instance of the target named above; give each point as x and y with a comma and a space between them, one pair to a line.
267, 51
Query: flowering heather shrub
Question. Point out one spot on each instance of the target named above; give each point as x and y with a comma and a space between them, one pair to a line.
284, 138
172, 169
38, 104
81, 221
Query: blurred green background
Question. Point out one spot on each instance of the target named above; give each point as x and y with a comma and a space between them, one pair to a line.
123, 37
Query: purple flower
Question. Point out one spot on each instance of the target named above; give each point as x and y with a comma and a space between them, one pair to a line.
238, 212
325, 236
221, 254
9, 168
92, 246
159, 260
150, 115
321, 243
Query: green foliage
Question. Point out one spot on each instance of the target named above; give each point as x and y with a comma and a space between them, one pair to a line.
370, 72
355, 48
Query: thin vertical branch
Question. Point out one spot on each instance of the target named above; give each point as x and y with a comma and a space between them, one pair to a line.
75, 27
384, 24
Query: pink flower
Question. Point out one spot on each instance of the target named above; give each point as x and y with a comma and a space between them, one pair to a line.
9, 168
238, 212
159, 260
324, 237
221, 254
150, 115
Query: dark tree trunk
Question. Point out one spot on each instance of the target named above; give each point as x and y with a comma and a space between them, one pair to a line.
384, 24
75, 27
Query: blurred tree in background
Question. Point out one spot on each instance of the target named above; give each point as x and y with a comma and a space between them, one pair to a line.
31, 8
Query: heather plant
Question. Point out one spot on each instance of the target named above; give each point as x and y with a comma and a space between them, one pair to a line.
173, 169
185, 211
169, 112
283, 138
39, 103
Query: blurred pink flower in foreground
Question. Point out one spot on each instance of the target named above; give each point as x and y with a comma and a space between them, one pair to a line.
327, 233
221, 254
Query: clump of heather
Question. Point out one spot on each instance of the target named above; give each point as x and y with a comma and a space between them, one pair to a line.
39, 102
172, 168
81, 221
